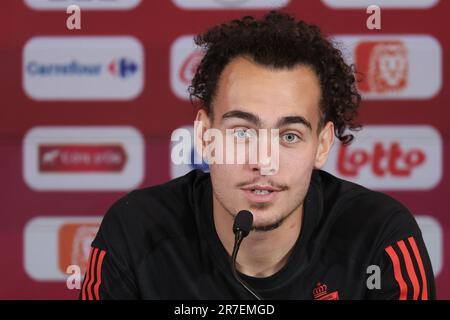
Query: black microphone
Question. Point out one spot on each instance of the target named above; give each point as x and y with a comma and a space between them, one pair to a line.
241, 228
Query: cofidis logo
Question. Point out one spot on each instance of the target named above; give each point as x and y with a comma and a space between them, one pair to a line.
83, 158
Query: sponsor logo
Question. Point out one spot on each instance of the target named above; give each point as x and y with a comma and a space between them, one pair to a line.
122, 68
51, 244
395, 66
84, 4
184, 59
404, 4
83, 68
83, 158
320, 292
385, 65
232, 147
390, 158
230, 4
74, 241
432, 235
193, 162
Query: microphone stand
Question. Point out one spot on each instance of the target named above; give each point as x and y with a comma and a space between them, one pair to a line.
237, 242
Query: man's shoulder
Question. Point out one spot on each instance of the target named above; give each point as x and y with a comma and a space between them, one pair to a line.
360, 214
167, 206
172, 193
355, 199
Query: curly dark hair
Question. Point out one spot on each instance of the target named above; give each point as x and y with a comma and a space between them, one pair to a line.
279, 41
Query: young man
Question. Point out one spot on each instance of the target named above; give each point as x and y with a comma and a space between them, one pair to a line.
313, 236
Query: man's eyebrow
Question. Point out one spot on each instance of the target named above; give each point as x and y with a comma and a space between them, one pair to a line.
250, 117
293, 120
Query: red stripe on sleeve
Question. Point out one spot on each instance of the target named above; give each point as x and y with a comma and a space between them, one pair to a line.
92, 270
86, 278
413, 244
410, 269
99, 275
398, 273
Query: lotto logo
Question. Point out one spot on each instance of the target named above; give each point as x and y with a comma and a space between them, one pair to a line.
384, 158
390, 157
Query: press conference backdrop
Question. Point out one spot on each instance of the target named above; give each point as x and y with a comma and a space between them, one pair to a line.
87, 116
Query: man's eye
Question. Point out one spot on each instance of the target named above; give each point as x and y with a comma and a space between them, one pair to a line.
242, 134
290, 138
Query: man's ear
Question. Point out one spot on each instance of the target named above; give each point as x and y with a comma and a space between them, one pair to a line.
201, 124
326, 140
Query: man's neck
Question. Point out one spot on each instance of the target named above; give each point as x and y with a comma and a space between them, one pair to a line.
261, 254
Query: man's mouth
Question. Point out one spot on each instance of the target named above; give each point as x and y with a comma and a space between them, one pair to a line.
261, 193
261, 188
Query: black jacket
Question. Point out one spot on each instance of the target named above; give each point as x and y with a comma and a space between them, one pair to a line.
160, 243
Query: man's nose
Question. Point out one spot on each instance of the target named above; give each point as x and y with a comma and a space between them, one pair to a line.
266, 161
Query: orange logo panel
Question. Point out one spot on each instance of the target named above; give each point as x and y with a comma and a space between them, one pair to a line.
384, 65
75, 243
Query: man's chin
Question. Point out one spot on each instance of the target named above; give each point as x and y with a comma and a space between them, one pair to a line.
267, 220
264, 227
264, 221
261, 206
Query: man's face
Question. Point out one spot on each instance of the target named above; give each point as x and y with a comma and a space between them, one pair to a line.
250, 96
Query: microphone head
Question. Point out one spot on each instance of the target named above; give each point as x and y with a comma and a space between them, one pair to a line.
243, 222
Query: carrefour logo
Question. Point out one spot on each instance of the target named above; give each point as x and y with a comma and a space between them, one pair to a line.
85, 4
83, 68
35, 68
123, 67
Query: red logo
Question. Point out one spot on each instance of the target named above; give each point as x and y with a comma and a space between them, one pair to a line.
383, 160
189, 66
384, 64
320, 292
81, 158
75, 243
